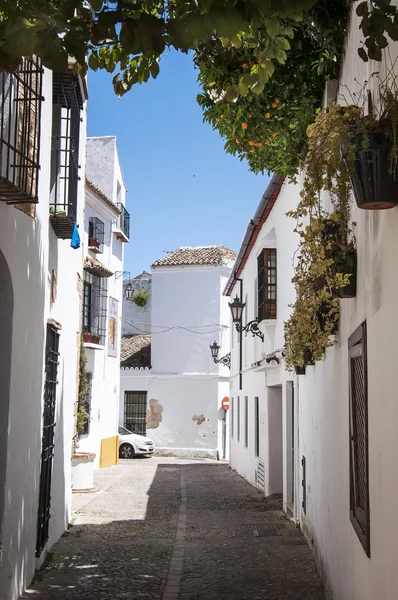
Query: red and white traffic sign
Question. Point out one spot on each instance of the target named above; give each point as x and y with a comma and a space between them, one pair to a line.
225, 403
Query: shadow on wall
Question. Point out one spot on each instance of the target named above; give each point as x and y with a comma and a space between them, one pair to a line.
22, 354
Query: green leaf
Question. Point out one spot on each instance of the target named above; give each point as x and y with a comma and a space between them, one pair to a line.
362, 9
93, 62
362, 53
273, 27
231, 93
96, 5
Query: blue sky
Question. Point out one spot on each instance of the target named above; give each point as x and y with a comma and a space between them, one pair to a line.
183, 189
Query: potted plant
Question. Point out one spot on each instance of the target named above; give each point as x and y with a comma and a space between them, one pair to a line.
140, 297
54, 211
94, 243
82, 462
91, 338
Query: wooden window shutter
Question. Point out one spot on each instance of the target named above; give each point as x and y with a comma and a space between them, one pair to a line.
267, 284
359, 459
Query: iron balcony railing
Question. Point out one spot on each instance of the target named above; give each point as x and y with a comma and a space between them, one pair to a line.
124, 220
20, 121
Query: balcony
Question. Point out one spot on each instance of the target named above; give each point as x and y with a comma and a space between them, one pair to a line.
21, 100
67, 104
122, 229
96, 235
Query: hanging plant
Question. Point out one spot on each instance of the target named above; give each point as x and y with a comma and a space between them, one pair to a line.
140, 297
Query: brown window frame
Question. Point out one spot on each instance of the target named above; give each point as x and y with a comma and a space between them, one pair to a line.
267, 284
358, 432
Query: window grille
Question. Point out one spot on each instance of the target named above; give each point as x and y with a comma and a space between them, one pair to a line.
95, 296
359, 460
67, 104
20, 121
238, 418
135, 409
96, 235
267, 290
47, 443
246, 421
257, 426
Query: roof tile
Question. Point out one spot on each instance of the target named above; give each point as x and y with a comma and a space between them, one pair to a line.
135, 352
201, 255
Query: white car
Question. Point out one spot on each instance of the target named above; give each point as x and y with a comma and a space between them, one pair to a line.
131, 444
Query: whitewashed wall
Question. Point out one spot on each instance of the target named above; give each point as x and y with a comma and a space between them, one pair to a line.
324, 405
137, 319
32, 251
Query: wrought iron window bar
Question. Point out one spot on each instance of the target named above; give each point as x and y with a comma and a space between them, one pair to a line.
267, 284
123, 222
67, 104
21, 100
95, 298
96, 235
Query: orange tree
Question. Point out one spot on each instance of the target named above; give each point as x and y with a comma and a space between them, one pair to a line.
263, 113
127, 37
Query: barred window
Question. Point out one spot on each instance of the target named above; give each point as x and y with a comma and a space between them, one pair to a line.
95, 296
359, 460
20, 118
266, 278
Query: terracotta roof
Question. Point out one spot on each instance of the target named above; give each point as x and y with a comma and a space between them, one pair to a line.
201, 255
95, 267
135, 352
103, 196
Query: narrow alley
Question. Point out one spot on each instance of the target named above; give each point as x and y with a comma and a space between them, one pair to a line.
172, 529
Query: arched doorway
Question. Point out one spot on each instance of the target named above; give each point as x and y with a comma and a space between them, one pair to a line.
6, 313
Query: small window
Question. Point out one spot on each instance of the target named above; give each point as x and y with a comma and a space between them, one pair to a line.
238, 418
95, 296
256, 426
266, 278
359, 460
246, 421
96, 235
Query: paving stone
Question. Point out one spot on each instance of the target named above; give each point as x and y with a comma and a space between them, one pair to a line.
162, 529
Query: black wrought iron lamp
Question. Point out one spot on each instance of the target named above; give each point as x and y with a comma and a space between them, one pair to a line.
224, 360
129, 291
252, 327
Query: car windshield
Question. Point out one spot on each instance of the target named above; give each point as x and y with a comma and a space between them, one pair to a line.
124, 431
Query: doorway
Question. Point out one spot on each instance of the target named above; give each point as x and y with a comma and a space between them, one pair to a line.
275, 441
6, 318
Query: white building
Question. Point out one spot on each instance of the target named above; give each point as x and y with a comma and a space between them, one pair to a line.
137, 305
42, 157
306, 429
106, 229
178, 400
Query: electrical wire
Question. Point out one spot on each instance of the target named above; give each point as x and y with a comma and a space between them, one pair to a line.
172, 328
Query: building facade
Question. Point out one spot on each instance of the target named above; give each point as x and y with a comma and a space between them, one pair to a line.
181, 394
106, 230
325, 439
42, 157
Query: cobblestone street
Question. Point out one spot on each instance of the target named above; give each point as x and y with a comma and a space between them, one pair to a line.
170, 529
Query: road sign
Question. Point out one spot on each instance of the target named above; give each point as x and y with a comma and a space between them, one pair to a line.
225, 403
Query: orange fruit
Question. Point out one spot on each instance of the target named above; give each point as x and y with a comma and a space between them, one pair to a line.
260, 144
267, 115
244, 65
222, 116
251, 143
274, 105
292, 86
276, 100
237, 141
244, 125
252, 150
274, 134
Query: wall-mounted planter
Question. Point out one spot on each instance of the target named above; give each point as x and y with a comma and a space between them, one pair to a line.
83, 472
90, 338
322, 316
374, 187
348, 267
299, 370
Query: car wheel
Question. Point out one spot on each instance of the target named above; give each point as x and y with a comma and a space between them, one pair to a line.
126, 451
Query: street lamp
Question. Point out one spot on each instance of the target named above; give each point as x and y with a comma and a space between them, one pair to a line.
129, 291
237, 307
224, 360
